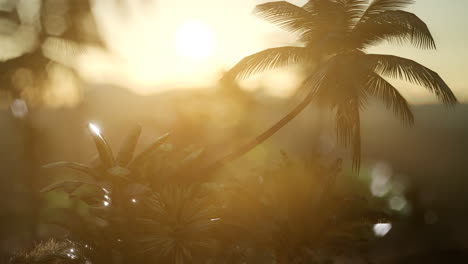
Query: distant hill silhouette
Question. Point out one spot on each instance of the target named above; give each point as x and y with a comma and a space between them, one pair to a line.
433, 153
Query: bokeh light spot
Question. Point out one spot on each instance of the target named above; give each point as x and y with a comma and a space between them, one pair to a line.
382, 229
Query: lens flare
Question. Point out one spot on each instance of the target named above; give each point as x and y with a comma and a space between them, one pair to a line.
94, 129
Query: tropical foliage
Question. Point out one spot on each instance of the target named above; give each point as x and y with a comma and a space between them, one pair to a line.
138, 212
335, 36
296, 213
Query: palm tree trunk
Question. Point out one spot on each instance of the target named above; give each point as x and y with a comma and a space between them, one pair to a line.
262, 137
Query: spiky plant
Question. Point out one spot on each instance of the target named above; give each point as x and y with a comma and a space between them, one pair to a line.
54, 252
180, 226
335, 36
110, 169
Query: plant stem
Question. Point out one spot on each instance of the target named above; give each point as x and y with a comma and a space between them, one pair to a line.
262, 137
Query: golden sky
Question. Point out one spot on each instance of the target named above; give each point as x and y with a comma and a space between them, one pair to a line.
154, 47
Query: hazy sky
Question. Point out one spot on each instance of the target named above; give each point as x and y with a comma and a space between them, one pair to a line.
146, 38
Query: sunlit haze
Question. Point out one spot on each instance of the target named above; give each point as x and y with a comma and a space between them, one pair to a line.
195, 40
168, 44
161, 45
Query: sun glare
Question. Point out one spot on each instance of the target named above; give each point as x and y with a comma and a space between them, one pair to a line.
195, 40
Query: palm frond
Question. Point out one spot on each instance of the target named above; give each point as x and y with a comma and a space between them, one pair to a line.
348, 129
287, 16
411, 71
310, 6
353, 11
331, 17
320, 6
379, 6
393, 26
266, 60
380, 88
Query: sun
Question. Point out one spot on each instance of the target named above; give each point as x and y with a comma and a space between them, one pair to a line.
195, 40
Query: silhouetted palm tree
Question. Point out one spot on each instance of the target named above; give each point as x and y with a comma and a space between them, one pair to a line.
336, 34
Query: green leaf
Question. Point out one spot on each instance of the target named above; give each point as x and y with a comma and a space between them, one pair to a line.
141, 159
68, 186
127, 149
103, 148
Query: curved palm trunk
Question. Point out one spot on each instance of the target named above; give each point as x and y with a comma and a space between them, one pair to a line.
264, 136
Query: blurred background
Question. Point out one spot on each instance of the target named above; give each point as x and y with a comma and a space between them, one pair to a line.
117, 63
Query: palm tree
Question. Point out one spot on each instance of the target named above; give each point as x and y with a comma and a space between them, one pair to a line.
335, 36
